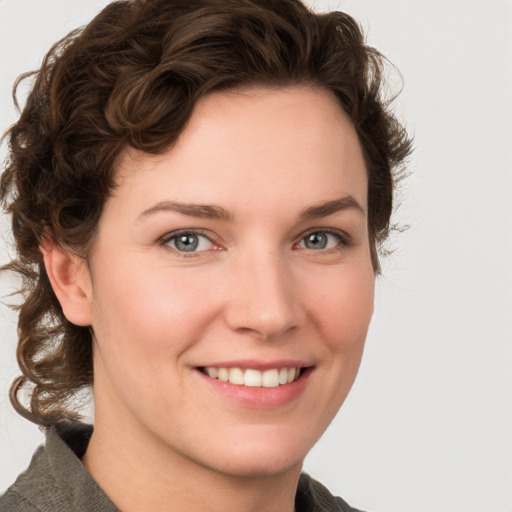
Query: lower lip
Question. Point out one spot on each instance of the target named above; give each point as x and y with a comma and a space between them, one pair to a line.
259, 397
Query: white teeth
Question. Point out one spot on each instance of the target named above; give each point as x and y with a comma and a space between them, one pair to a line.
236, 376
270, 379
213, 372
254, 378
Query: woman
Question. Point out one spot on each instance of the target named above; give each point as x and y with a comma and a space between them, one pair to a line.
198, 193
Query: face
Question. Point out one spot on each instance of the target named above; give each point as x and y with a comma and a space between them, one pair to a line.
232, 285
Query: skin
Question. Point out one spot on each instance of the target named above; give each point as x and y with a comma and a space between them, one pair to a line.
164, 439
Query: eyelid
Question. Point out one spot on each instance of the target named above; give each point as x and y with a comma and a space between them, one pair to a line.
165, 239
344, 238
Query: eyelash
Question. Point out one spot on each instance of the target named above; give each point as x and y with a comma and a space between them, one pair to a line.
345, 240
169, 237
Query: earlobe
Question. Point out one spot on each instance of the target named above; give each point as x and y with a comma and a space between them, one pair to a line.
70, 280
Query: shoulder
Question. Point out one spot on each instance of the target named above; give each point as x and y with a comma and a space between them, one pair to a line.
312, 496
11, 501
56, 480
16, 499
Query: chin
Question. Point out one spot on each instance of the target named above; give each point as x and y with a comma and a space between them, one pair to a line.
266, 456
260, 466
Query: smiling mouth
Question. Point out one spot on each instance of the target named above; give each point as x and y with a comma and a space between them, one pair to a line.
250, 377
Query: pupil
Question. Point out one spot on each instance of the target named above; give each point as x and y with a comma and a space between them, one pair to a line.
316, 241
187, 243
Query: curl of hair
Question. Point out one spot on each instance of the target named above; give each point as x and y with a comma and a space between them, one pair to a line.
131, 78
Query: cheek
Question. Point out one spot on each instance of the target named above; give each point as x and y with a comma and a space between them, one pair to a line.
344, 307
153, 312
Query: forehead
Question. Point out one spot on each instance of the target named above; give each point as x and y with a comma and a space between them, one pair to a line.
252, 142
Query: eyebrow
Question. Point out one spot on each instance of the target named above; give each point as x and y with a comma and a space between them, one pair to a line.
207, 211
204, 211
330, 208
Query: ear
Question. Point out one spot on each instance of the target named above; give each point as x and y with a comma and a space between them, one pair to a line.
70, 280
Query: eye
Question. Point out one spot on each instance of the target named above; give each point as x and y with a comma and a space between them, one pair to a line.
321, 240
189, 242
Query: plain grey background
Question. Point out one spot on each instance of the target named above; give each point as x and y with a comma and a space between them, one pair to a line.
428, 424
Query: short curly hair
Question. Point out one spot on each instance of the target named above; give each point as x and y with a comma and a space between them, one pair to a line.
131, 78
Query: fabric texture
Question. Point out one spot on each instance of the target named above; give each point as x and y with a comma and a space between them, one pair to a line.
56, 481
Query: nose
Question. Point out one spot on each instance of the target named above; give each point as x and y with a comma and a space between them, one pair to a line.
262, 300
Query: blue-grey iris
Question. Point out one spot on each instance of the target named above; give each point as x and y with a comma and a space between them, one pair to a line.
186, 243
316, 241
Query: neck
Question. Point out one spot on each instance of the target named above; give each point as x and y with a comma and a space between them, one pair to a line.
139, 473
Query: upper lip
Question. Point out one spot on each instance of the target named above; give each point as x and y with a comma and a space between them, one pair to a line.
258, 364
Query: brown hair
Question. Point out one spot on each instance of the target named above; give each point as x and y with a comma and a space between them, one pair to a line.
131, 78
